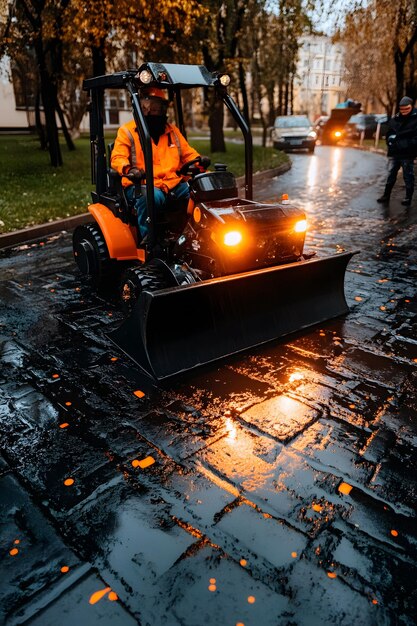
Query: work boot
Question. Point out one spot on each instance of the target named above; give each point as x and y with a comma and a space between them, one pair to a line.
408, 196
406, 201
384, 199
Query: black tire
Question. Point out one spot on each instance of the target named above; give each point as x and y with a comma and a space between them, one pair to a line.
137, 279
92, 256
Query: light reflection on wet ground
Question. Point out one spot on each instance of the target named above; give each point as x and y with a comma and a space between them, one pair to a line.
277, 487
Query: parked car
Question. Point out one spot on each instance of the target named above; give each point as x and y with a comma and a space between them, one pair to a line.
361, 123
293, 132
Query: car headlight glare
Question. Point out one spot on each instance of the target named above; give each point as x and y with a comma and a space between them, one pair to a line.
337, 133
300, 226
232, 238
313, 134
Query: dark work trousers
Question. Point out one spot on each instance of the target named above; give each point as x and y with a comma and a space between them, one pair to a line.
394, 164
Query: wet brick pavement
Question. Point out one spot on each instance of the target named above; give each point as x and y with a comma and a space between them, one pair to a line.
277, 488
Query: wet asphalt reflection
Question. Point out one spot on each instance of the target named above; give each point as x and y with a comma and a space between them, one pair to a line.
275, 488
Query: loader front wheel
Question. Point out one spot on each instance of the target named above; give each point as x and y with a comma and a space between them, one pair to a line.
138, 279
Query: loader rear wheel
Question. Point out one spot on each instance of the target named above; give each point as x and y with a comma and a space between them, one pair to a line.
138, 279
92, 256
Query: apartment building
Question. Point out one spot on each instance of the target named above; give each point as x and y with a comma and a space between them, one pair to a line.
319, 85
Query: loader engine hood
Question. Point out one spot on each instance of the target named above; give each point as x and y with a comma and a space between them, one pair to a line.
235, 235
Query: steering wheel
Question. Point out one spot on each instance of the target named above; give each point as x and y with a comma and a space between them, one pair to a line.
192, 166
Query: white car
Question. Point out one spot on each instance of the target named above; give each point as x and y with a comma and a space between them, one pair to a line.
293, 132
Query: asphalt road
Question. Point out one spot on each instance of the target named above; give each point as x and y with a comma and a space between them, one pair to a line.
277, 488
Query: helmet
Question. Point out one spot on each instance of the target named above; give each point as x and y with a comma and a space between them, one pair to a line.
153, 101
153, 92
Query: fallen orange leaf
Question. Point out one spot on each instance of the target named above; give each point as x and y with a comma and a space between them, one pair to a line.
144, 462
64, 569
139, 393
98, 595
394, 533
68, 482
332, 574
14, 551
345, 488
113, 596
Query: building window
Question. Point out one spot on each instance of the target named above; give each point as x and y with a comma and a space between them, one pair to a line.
24, 82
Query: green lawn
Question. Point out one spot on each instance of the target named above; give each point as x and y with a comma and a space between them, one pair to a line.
32, 192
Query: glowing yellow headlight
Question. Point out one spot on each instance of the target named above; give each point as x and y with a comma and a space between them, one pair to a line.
232, 238
301, 226
338, 133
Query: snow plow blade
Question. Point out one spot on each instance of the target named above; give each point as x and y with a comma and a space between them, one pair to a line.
177, 329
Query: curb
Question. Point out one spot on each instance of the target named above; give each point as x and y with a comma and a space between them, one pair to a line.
16, 237
25, 235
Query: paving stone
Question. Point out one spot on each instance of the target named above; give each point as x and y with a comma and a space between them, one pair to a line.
263, 536
234, 596
74, 607
371, 367
324, 601
337, 447
196, 499
282, 417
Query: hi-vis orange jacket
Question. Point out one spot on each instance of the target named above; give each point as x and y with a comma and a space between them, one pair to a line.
169, 155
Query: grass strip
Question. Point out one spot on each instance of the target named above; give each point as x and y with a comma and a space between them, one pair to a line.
32, 192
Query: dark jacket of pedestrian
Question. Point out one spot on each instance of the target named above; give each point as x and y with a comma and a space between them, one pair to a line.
401, 136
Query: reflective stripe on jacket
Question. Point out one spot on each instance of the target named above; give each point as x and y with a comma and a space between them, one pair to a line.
169, 155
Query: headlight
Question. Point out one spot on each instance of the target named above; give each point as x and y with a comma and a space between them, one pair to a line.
300, 226
225, 80
145, 77
232, 238
337, 133
312, 134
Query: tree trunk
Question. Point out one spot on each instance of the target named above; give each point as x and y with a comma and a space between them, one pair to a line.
244, 93
68, 138
38, 123
216, 117
399, 74
99, 58
48, 101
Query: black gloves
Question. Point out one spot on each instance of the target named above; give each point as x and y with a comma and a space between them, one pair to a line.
204, 162
391, 139
135, 174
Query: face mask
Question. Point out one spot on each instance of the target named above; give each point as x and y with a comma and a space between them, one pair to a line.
156, 125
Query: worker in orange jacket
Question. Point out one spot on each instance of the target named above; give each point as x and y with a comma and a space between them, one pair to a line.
170, 151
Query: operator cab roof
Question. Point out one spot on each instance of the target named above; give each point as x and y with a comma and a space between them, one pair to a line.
163, 75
